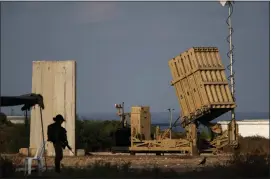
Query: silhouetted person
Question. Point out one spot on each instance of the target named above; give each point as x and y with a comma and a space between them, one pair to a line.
58, 136
203, 161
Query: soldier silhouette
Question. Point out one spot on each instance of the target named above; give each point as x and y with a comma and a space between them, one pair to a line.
58, 136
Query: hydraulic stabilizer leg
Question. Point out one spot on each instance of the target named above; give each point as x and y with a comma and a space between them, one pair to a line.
233, 133
194, 136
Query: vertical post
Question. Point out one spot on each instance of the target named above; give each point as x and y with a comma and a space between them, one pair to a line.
25, 118
43, 139
170, 121
123, 116
0, 54
231, 60
122, 108
232, 126
157, 133
169, 112
194, 137
25, 124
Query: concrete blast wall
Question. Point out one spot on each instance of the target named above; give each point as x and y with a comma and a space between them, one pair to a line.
55, 80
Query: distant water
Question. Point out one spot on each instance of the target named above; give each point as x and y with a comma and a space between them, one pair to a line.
162, 118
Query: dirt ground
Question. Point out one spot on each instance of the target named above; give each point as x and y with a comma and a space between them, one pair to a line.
164, 166
138, 161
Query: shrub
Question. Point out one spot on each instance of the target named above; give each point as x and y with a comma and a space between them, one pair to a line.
254, 145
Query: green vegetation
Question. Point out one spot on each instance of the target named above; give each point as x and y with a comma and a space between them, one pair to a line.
91, 135
96, 135
13, 137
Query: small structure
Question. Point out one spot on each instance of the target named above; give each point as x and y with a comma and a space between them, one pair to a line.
16, 119
56, 82
141, 122
248, 128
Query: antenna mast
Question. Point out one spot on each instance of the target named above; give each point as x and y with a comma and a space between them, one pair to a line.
230, 55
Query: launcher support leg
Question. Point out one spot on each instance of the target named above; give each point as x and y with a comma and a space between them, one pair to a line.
233, 133
194, 139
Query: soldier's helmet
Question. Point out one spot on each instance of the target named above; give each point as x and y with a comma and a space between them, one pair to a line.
59, 117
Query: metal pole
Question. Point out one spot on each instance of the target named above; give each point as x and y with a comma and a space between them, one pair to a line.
169, 110
170, 123
43, 138
0, 54
25, 118
123, 117
231, 60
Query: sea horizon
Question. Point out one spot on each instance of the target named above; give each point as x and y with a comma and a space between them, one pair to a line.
164, 117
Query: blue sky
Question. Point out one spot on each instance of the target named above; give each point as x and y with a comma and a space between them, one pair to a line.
122, 48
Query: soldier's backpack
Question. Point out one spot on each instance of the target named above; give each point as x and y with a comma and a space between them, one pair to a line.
51, 133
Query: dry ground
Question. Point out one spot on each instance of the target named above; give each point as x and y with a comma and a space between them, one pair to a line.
167, 161
251, 160
115, 166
